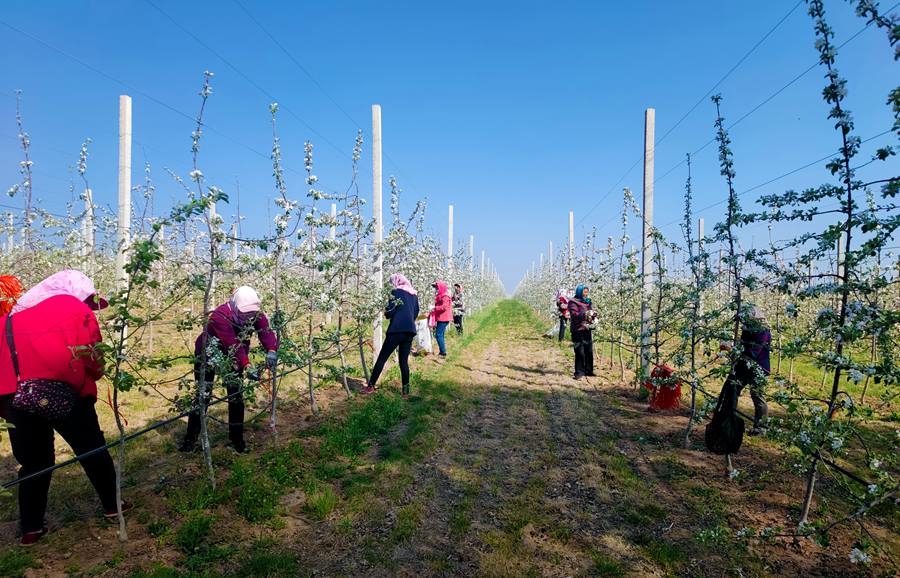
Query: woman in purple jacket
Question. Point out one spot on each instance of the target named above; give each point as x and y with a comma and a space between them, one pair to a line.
229, 330
754, 366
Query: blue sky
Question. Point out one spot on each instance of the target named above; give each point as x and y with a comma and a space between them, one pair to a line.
513, 111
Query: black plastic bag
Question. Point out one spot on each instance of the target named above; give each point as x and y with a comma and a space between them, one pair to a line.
725, 432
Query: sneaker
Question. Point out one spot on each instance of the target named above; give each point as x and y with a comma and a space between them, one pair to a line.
30, 538
758, 431
367, 390
126, 506
577, 376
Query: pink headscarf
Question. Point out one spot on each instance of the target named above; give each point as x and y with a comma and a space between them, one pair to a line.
245, 300
66, 282
399, 281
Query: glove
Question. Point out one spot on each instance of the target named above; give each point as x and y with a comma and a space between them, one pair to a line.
271, 358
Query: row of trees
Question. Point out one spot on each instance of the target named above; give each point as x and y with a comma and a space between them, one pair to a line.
835, 327
315, 272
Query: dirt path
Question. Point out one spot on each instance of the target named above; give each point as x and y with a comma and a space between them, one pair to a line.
536, 474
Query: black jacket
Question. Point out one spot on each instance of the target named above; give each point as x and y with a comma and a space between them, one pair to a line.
402, 309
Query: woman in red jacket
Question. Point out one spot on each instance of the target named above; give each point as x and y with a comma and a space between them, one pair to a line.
230, 327
55, 333
443, 314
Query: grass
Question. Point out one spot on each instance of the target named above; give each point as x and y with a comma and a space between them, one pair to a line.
193, 532
257, 494
605, 566
667, 556
15, 561
321, 502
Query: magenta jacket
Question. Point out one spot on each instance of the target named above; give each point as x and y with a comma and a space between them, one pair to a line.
443, 305
234, 338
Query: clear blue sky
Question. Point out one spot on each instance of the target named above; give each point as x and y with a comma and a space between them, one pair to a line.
513, 111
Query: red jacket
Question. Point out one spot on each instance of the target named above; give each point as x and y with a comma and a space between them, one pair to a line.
443, 305
54, 340
234, 338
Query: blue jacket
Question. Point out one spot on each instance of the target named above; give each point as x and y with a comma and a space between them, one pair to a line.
402, 309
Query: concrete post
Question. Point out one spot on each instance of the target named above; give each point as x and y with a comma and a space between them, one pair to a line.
571, 240
550, 255
378, 277
450, 239
471, 252
840, 257
482, 263
701, 262
234, 243
88, 225
332, 230
10, 234
647, 228
123, 237
542, 263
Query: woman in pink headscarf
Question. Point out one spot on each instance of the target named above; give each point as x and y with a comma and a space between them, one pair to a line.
402, 309
54, 334
443, 314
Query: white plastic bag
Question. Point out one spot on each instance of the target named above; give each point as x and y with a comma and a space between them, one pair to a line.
423, 337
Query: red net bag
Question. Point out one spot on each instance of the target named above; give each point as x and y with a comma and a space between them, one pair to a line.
665, 390
10, 291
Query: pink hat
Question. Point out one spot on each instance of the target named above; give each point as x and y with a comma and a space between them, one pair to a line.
245, 300
66, 282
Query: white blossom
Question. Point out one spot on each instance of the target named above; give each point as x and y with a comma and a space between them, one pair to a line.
857, 556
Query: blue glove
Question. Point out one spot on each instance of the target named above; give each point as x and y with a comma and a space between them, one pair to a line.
271, 358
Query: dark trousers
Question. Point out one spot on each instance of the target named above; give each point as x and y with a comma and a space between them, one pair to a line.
562, 328
32, 446
235, 406
747, 377
584, 352
402, 342
458, 322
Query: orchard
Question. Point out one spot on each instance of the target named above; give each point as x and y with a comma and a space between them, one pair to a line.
498, 463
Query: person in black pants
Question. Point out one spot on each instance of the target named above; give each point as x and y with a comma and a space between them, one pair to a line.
581, 315
32, 444
562, 309
402, 310
459, 308
51, 336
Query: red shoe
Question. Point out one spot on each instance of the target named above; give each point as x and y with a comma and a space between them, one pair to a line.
30, 538
367, 390
126, 506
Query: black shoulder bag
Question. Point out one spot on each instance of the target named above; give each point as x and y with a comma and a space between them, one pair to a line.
46, 398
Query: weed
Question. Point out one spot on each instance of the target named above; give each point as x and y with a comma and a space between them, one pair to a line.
606, 566
193, 532
157, 528
321, 502
265, 564
408, 519
14, 562
668, 556
257, 494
